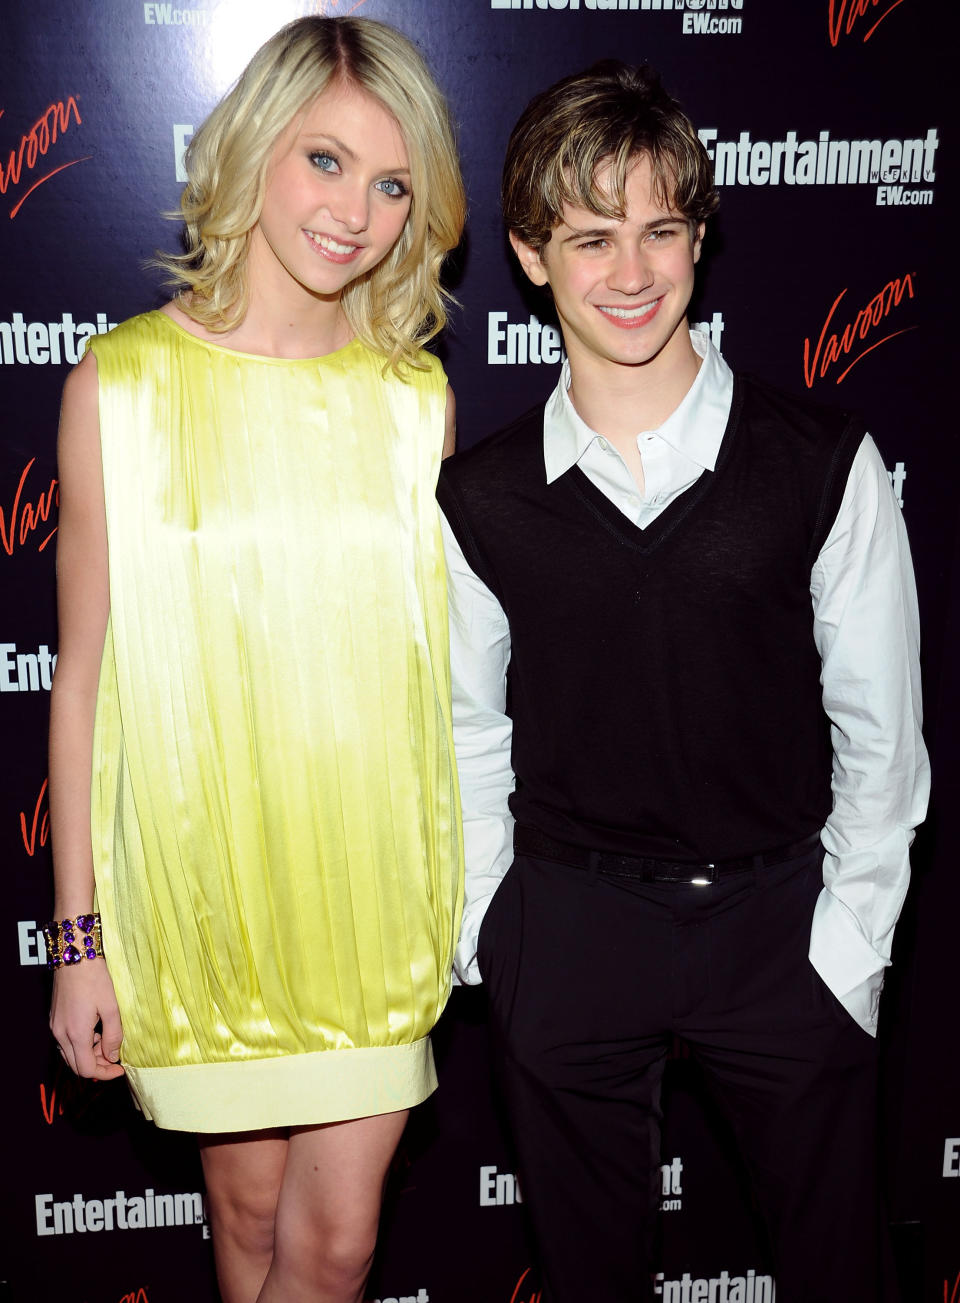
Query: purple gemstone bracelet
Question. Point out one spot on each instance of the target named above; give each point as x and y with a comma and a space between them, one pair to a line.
71, 939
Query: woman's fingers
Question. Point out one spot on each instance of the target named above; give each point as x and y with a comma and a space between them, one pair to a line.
83, 1000
112, 1035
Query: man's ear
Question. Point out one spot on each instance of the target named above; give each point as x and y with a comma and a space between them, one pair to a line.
530, 259
698, 240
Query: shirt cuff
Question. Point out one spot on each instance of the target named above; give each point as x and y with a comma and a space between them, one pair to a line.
846, 961
479, 890
465, 969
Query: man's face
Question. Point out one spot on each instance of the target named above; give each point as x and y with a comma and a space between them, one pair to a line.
621, 289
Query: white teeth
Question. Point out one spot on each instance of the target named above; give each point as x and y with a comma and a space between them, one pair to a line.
629, 314
328, 242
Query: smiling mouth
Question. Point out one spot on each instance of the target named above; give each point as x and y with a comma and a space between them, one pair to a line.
630, 318
333, 249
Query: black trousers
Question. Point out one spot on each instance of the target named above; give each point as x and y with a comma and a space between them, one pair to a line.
589, 978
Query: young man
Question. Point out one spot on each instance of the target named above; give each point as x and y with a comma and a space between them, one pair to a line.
688, 729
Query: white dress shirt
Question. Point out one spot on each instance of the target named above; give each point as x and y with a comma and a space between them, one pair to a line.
864, 613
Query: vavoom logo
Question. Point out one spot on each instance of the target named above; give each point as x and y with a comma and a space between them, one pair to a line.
850, 332
35, 159
28, 518
857, 17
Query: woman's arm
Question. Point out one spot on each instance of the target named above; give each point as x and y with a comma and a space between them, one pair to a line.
82, 993
450, 425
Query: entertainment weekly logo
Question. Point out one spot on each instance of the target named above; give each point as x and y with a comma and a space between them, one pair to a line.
752, 1287
39, 154
421, 1296
171, 15
895, 166
697, 17
48, 343
30, 942
502, 1189
182, 133
120, 1212
951, 1157
26, 671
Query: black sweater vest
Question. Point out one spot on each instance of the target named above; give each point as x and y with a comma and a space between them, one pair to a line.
664, 683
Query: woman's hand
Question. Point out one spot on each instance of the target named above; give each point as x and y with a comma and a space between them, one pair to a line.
83, 996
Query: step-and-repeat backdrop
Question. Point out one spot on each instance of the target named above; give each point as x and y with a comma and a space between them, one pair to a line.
827, 271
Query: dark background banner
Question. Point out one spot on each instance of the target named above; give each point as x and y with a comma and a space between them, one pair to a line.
827, 271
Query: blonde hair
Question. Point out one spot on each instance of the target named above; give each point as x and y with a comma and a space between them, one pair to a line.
399, 304
606, 116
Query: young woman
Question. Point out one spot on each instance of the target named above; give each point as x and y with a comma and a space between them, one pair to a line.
253, 677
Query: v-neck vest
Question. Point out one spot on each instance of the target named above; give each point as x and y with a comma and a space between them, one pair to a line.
664, 683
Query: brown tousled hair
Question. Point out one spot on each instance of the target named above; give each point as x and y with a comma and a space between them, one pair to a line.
604, 117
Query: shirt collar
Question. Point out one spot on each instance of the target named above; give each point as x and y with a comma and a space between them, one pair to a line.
695, 428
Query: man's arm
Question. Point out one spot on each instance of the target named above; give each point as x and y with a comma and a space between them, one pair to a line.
866, 630
479, 655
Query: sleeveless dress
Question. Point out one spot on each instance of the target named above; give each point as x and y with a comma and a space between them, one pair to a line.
274, 804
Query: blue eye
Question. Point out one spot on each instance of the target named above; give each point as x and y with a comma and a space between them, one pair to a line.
392, 187
324, 162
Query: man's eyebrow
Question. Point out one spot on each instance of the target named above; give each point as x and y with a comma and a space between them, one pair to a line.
599, 232
602, 232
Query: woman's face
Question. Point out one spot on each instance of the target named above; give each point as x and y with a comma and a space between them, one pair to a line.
337, 195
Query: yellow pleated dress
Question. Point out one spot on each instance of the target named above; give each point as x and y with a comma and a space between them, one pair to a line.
274, 805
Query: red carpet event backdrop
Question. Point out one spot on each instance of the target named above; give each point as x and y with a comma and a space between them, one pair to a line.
826, 271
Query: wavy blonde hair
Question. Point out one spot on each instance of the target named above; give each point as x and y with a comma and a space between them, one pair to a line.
399, 304
605, 116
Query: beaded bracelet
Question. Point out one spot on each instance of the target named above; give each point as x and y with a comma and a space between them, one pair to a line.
63, 944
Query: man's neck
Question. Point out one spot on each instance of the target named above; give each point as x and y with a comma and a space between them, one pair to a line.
619, 401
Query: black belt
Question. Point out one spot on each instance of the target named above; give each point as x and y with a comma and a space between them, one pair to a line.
528, 841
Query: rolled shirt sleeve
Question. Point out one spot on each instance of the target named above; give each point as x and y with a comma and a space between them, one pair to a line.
867, 632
